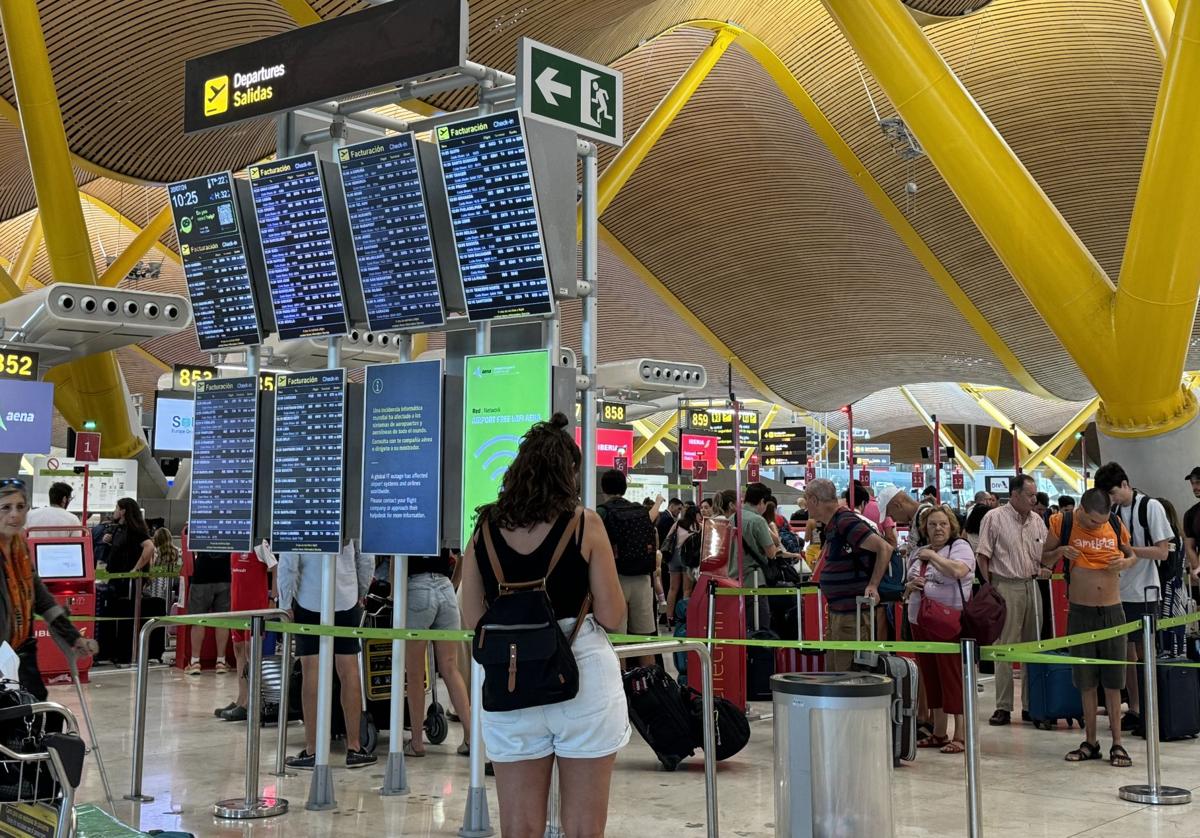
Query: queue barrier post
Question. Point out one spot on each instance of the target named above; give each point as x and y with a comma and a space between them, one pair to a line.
1152, 792
252, 805
137, 757
971, 737
709, 707
395, 777
476, 823
285, 700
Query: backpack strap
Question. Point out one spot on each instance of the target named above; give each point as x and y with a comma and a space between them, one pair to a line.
1143, 516
1114, 521
1064, 534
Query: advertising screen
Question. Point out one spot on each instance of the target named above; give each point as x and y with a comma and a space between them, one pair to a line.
402, 459
26, 416
297, 246
306, 487
493, 211
694, 447
213, 250
385, 201
610, 444
224, 448
502, 396
173, 425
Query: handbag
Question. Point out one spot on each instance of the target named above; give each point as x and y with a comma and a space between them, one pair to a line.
984, 614
939, 621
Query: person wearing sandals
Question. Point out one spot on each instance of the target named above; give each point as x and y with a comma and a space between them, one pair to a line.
945, 563
1098, 549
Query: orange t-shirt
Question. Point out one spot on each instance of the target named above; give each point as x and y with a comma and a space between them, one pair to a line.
1098, 547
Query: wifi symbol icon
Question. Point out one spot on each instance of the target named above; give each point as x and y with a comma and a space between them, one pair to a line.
495, 455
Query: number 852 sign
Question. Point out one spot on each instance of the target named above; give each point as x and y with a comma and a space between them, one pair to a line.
16, 363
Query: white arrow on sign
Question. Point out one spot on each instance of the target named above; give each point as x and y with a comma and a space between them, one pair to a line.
549, 87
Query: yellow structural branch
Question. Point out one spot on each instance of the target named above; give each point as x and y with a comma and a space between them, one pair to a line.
1160, 275
648, 444
29, 249
947, 436
1064, 472
1160, 18
1078, 421
146, 238
995, 436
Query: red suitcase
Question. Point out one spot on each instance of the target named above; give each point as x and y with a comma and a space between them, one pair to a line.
729, 662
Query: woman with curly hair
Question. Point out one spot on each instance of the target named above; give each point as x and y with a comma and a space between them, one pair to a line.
538, 502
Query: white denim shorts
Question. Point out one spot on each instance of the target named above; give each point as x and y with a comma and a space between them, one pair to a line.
593, 724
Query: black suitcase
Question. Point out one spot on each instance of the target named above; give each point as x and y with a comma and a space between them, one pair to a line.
1178, 700
760, 666
903, 673
661, 713
154, 607
115, 636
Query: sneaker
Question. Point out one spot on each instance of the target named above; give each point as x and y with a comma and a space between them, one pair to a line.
1000, 718
359, 759
303, 760
236, 714
224, 709
192, 669
1131, 721
222, 668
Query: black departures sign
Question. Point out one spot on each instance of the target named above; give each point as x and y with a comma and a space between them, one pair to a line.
389, 43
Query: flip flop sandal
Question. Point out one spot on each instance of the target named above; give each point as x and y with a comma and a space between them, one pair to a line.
1118, 757
410, 751
954, 746
1084, 753
933, 742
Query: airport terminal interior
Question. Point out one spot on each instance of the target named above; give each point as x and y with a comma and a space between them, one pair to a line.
761, 417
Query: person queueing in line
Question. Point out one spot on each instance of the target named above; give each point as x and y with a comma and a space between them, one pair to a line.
539, 500
1097, 546
22, 593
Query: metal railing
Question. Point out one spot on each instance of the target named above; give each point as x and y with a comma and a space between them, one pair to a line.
65, 827
137, 758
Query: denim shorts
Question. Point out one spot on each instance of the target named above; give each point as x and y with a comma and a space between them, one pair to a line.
593, 724
432, 603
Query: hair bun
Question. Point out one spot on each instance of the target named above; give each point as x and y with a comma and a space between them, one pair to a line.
559, 421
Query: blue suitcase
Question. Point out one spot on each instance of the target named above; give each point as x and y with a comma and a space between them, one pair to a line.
1052, 696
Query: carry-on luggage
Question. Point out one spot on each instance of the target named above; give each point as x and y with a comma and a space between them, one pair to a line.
1052, 694
729, 662
1178, 699
760, 666
153, 606
732, 727
903, 673
661, 711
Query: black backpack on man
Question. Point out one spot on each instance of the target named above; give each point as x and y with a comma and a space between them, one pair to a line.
633, 536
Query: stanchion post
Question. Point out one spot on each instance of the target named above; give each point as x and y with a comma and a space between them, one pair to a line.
395, 778
1152, 792
476, 823
251, 805
139, 717
971, 737
553, 807
285, 700
320, 791
137, 621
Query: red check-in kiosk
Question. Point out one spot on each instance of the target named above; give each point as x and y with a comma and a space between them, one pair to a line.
62, 556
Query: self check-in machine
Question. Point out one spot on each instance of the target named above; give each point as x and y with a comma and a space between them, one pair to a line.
62, 556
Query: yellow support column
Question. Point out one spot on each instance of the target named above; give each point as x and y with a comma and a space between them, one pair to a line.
1064, 282
1160, 275
99, 391
995, 436
1160, 18
29, 248
1068, 430
136, 249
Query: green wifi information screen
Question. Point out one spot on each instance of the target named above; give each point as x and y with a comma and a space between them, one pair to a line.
503, 395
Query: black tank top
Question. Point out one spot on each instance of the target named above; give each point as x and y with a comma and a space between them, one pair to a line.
567, 586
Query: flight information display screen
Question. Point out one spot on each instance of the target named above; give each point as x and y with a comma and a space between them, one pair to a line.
297, 244
224, 446
306, 489
493, 210
213, 250
389, 225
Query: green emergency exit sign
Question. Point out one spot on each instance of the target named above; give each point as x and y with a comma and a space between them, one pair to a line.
570, 91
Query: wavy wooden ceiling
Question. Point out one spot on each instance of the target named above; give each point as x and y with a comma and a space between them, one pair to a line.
739, 211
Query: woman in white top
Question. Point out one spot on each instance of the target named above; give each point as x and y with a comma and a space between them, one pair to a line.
943, 571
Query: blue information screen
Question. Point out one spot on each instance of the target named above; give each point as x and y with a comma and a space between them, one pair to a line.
297, 244
402, 459
214, 261
493, 210
224, 449
389, 225
306, 486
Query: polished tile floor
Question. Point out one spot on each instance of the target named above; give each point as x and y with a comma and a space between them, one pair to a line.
193, 759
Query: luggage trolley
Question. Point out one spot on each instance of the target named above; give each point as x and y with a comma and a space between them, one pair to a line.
39, 775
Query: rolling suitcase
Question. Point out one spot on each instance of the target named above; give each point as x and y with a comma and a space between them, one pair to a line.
661, 713
729, 662
903, 673
154, 607
1052, 694
760, 666
1178, 700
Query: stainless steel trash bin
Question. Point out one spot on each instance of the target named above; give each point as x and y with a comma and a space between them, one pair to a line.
833, 759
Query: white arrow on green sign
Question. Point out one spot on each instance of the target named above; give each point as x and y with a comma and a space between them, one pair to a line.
567, 90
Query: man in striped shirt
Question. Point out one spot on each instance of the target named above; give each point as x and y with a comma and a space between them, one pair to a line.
854, 560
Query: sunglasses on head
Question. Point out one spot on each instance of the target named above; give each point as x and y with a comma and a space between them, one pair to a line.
12, 482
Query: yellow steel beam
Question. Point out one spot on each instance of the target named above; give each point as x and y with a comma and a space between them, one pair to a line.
948, 436
300, 11
9, 290
790, 86
99, 391
1160, 275
29, 249
127, 223
1065, 473
1066, 448
772, 412
1065, 283
1078, 421
151, 357
643, 428
995, 436
648, 444
146, 238
1160, 18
